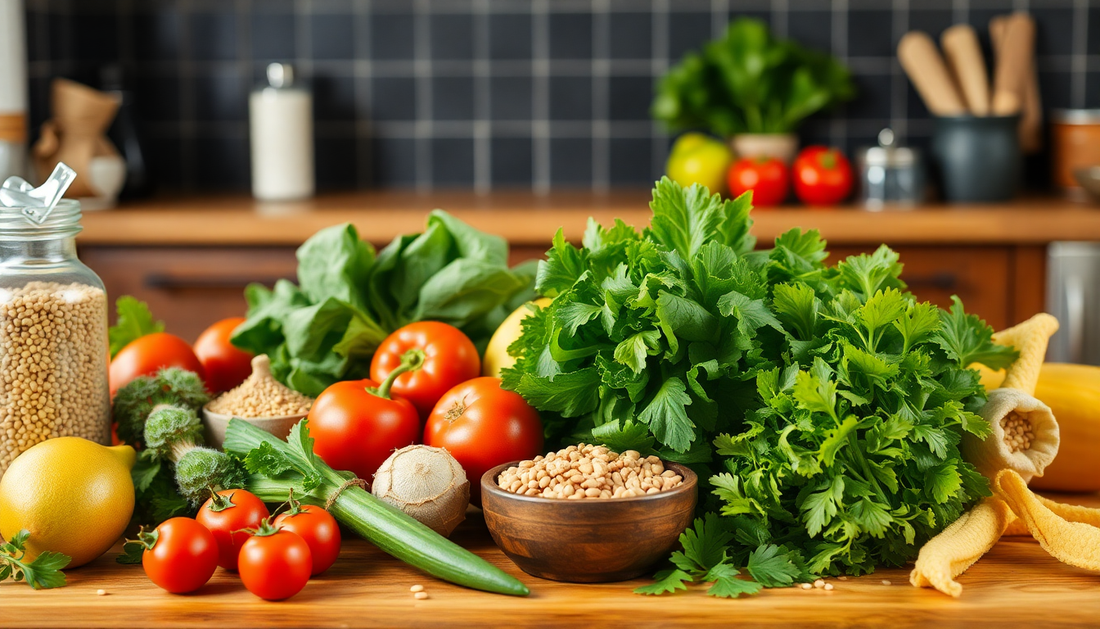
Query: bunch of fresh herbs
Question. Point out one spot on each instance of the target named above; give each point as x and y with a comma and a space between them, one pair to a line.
749, 82
348, 299
821, 405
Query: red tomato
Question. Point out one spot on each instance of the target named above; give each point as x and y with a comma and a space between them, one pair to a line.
449, 358
226, 364
275, 564
822, 176
234, 511
354, 429
319, 530
180, 555
149, 354
765, 176
482, 426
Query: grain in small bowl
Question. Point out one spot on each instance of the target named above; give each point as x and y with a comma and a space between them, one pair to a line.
592, 538
261, 400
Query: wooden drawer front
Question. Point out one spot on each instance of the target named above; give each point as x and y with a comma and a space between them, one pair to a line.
980, 276
189, 287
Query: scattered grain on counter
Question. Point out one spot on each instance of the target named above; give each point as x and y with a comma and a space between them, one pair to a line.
886, 582
261, 396
828, 586
416, 588
420, 596
53, 366
1018, 431
819, 583
101, 592
587, 471
842, 578
807, 586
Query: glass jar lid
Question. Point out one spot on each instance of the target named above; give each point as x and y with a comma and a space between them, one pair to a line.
887, 154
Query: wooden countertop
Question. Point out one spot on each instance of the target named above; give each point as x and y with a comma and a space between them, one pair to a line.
529, 220
1016, 585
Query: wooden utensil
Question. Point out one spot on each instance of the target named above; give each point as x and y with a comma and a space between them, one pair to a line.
926, 69
587, 541
964, 58
1031, 122
1015, 55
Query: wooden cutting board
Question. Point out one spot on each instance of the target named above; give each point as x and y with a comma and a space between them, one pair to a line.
1015, 585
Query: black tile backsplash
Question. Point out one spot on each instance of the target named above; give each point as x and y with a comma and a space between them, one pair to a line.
490, 93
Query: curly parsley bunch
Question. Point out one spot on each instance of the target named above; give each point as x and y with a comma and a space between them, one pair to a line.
823, 403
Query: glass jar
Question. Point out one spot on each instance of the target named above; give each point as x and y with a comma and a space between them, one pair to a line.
53, 335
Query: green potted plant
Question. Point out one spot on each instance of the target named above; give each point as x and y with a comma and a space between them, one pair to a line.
751, 88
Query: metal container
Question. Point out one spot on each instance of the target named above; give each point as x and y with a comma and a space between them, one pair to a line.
1075, 145
890, 177
1073, 295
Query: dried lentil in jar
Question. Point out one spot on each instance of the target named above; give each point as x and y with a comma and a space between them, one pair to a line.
53, 335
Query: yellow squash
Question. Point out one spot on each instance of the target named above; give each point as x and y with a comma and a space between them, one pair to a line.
1073, 393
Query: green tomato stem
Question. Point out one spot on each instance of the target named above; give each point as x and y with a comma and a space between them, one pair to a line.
411, 360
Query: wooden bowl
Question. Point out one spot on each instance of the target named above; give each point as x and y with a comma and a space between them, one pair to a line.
216, 423
591, 540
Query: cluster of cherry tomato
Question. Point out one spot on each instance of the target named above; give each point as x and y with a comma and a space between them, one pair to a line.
822, 176
424, 386
274, 557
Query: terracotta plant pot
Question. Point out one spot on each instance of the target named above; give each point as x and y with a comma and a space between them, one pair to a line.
783, 146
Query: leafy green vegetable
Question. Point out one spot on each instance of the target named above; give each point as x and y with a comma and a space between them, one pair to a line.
348, 299
42, 573
134, 321
749, 82
822, 405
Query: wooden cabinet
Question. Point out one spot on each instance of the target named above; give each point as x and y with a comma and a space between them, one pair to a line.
189, 287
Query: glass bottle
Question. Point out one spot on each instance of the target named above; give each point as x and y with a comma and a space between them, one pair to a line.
53, 335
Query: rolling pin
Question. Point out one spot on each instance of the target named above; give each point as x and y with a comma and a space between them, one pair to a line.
1015, 55
1031, 121
964, 58
924, 65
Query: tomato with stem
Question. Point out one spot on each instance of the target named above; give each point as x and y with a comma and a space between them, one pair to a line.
482, 426
149, 354
180, 555
229, 514
822, 176
448, 358
356, 424
317, 527
225, 364
766, 177
275, 564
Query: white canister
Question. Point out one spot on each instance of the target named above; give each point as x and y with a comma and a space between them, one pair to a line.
13, 89
281, 128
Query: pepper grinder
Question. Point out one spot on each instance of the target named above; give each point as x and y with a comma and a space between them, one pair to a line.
281, 128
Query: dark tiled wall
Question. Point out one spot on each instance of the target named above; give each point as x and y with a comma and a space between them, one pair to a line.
491, 93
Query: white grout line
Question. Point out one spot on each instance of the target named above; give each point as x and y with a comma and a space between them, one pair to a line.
422, 70
483, 157
601, 86
838, 126
899, 82
1080, 53
659, 60
540, 96
364, 144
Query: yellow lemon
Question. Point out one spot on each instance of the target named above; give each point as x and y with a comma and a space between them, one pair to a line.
73, 495
496, 353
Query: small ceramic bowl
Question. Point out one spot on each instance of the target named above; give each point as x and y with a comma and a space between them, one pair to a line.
591, 540
216, 423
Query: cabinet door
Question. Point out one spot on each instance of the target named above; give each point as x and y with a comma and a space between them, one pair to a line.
189, 287
980, 276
